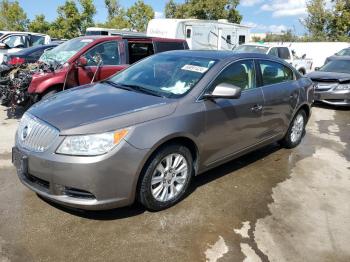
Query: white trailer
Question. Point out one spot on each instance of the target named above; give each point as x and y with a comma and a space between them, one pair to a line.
201, 34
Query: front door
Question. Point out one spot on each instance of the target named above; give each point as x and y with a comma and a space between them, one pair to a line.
233, 125
103, 60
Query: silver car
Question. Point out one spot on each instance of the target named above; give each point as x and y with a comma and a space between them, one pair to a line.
146, 132
332, 82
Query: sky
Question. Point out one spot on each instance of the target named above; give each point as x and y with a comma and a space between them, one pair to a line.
263, 15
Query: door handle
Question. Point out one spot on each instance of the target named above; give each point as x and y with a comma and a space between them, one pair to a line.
257, 108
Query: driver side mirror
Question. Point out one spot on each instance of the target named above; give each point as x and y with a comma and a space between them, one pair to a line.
82, 61
4, 46
317, 68
304, 56
225, 90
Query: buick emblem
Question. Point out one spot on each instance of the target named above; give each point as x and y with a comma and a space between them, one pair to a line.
25, 132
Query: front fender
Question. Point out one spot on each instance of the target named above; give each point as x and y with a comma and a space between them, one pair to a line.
41, 82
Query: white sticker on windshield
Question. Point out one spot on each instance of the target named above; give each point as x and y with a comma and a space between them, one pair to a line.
194, 68
179, 88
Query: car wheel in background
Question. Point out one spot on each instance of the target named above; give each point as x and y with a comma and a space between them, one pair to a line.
166, 177
295, 131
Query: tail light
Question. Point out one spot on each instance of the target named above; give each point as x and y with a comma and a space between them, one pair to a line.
16, 61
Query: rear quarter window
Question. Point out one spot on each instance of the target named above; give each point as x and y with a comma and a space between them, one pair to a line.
274, 73
168, 46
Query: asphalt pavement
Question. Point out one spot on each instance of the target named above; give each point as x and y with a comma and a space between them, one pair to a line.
271, 205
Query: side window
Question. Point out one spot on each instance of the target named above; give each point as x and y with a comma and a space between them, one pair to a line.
16, 41
188, 33
283, 53
273, 51
37, 40
241, 74
241, 39
167, 46
274, 73
137, 51
107, 52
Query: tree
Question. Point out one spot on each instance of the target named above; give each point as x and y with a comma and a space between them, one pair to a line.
39, 25
171, 9
339, 25
317, 20
113, 8
87, 14
116, 15
285, 36
139, 15
204, 9
12, 16
72, 22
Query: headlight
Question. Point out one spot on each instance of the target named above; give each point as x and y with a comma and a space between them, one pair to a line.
91, 145
343, 87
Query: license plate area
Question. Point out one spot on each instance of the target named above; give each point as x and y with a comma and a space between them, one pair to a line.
20, 161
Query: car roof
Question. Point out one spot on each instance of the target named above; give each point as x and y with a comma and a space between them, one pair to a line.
341, 57
219, 55
32, 49
128, 36
20, 32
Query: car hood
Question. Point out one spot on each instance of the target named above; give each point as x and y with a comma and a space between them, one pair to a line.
100, 108
329, 77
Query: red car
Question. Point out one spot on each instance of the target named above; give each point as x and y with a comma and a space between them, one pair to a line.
88, 59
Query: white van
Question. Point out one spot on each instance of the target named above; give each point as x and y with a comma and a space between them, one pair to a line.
201, 34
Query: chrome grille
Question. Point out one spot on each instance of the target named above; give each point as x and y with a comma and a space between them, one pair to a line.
324, 86
34, 134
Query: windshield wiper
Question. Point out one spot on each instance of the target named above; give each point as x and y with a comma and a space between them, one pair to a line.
142, 90
116, 85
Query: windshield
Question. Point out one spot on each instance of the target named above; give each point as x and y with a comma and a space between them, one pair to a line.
337, 66
252, 49
65, 51
344, 52
165, 74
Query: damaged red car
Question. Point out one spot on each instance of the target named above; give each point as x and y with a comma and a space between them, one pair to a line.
89, 59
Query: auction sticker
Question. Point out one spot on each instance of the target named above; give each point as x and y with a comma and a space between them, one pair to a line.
194, 68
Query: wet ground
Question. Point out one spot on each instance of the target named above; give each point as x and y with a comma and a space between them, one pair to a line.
271, 205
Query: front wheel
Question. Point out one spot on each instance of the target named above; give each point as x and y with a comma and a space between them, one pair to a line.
296, 130
166, 178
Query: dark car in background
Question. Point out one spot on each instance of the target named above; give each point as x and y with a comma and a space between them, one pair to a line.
339, 55
146, 132
332, 82
27, 55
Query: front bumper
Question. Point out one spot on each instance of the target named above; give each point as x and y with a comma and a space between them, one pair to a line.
333, 97
91, 183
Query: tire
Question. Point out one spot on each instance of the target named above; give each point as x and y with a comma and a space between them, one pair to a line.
49, 93
296, 130
169, 186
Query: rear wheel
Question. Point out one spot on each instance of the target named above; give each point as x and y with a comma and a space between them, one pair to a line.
296, 130
166, 178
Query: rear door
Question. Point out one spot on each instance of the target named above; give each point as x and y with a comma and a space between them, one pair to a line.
233, 125
103, 60
139, 49
281, 92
